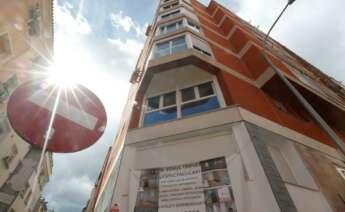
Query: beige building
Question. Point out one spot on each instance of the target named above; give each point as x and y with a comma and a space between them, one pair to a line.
26, 44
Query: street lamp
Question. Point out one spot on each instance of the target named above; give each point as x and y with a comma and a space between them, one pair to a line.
322, 123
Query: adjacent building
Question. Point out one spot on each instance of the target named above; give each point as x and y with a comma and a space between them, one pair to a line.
26, 44
210, 127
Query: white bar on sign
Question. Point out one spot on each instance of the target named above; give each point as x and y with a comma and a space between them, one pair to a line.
65, 110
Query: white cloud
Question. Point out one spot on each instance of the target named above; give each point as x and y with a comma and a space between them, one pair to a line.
119, 20
129, 47
67, 23
314, 30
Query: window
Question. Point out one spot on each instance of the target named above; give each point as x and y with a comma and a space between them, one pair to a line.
12, 154
198, 99
7, 87
161, 108
3, 92
5, 48
170, 47
34, 21
170, 6
170, 15
170, 27
11, 83
193, 26
192, 100
4, 126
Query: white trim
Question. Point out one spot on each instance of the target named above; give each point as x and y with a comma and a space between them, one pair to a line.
219, 92
221, 21
231, 32
244, 49
215, 11
265, 77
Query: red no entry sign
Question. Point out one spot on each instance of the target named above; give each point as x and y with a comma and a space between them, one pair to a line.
79, 121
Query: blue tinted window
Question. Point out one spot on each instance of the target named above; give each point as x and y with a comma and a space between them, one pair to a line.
199, 106
160, 116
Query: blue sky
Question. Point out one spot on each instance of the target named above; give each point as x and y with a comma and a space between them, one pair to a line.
102, 40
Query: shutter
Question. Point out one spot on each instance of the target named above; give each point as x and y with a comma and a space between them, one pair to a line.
201, 44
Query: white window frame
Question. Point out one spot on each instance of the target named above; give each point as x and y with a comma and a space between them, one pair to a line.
216, 92
170, 41
170, 6
164, 27
170, 14
186, 23
189, 42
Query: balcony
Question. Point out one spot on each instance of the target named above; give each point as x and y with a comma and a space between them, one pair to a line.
178, 43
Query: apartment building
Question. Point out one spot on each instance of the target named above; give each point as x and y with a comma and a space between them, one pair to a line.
26, 45
211, 127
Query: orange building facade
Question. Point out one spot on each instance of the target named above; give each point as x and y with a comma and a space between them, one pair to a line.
214, 129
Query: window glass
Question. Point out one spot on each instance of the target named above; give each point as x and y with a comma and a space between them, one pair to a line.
169, 99
205, 89
195, 99
153, 103
178, 44
170, 14
160, 116
162, 49
165, 16
187, 94
199, 106
171, 27
175, 12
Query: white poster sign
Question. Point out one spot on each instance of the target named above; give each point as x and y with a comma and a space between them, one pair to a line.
195, 187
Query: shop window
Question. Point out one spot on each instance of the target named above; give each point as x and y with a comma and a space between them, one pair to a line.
192, 100
170, 47
170, 14
170, 27
34, 21
5, 48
